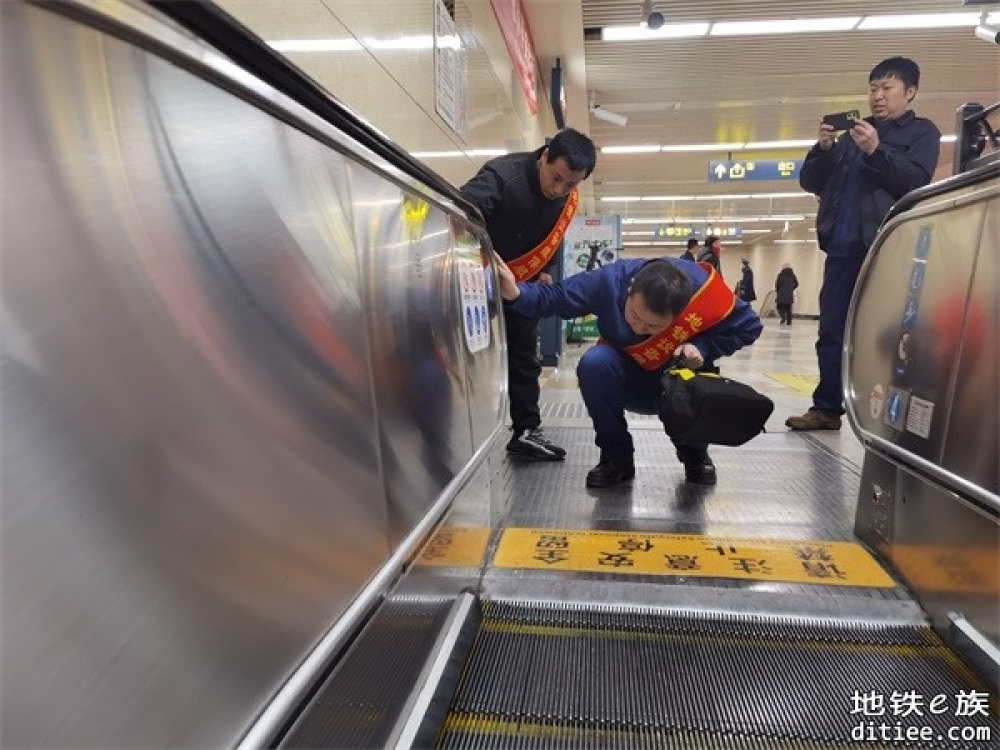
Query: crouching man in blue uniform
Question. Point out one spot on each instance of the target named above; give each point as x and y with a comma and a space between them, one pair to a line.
648, 312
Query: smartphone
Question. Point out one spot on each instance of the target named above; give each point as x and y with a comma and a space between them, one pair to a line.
843, 120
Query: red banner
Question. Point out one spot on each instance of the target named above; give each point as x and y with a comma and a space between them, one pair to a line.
517, 35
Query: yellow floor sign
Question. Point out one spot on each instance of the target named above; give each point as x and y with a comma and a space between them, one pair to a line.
804, 384
823, 562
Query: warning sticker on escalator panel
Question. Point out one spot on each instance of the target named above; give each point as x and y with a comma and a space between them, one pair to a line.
814, 561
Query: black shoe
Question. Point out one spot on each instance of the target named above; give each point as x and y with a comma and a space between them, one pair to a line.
700, 472
610, 472
532, 444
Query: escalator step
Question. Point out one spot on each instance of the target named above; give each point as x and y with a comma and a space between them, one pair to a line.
574, 677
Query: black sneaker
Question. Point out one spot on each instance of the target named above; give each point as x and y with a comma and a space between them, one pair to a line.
700, 472
532, 444
609, 473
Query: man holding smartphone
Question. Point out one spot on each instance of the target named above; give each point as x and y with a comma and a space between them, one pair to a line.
858, 176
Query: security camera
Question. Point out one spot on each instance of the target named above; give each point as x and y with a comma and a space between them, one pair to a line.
608, 116
654, 19
989, 34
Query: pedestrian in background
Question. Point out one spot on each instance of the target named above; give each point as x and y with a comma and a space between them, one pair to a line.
746, 292
784, 293
689, 253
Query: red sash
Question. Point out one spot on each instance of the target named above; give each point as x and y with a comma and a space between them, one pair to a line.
710, 304
529, 264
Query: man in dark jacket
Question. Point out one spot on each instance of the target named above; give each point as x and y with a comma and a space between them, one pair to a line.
784, 292
648, 313
858, 177
692, 245
746, 291
527, 200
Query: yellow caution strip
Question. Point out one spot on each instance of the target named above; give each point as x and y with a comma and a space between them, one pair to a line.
456, 546
804, 384
813, 561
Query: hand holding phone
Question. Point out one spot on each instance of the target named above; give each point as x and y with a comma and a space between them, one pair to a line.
843, 120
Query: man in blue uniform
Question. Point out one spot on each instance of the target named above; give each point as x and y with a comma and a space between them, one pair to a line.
527, 200
647, 313
858, 177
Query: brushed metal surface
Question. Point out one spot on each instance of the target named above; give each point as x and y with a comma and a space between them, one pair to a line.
198, 396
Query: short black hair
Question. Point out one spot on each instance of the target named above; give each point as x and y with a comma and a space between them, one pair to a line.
692, 242
902, 68
711, 240
665, 288
576, 148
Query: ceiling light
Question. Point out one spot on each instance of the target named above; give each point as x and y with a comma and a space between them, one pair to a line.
805, 143
790, 26
667, 31
704, 147
315, 45
629, 149
920, 21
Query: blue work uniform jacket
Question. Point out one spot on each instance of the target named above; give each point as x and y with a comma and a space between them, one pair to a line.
905, 159
602, 292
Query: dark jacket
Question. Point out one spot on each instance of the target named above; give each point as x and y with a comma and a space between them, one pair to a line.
785, 286
746, 291
905, 159
603, 292
507, 192
708, 255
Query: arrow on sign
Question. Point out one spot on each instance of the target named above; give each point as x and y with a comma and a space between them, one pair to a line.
720, 171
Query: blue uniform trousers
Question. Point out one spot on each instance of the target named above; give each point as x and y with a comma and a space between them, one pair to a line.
839, 277
611, 382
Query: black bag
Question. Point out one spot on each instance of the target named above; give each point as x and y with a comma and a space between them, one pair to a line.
702, 407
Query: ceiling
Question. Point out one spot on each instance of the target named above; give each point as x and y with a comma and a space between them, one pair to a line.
756, 88
704, 90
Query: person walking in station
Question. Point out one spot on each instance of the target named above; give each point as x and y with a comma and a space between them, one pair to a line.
527, 201
858, 176
784, 293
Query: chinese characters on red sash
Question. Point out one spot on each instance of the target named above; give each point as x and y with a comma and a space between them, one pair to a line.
709, 305
529, 264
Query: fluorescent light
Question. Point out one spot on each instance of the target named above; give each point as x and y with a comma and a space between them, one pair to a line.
454, 154
718, 219
920, 21
629, 149
315, 45
667, 31
789, 26
678, 198
704, 147
949, 138
794, 242
805, 143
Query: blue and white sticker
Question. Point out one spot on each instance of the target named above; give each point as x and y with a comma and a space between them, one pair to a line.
895, 408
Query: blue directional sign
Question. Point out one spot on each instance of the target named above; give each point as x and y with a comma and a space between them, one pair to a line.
683, 231
755, 169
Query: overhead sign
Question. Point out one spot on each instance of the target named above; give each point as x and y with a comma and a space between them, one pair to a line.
757, 169
517, 36
683, 231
